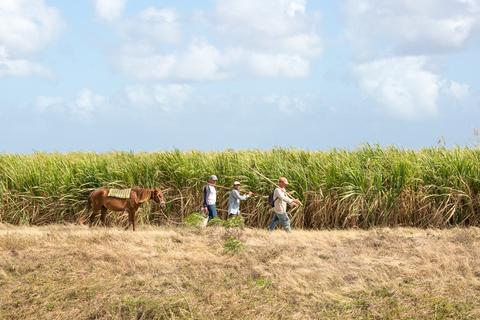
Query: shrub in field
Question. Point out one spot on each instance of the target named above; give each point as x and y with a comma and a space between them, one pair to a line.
235, 222
215, 222
195, 220
233, 245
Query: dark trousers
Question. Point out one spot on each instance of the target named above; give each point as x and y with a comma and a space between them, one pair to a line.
212, 211
280, 218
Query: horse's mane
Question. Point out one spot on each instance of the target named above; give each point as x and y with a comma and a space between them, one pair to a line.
143, 194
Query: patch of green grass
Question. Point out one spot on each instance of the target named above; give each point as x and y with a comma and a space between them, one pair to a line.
215, 222
385, 303
195, 220
383, 293
235, 222
263, 283
143, 308
443, 308
233, 245
49, 306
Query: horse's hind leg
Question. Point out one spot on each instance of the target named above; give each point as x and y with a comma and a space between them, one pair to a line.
103, 215
92, 217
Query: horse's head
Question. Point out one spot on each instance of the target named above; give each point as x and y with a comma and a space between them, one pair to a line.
157, 196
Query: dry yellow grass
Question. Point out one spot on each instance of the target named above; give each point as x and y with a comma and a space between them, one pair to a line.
71, 272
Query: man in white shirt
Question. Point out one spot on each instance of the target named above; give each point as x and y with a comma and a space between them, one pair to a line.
210, 197
234, 200
281, 199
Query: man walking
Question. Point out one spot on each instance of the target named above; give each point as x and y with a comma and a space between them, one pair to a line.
281, 199
234, 200
210, 198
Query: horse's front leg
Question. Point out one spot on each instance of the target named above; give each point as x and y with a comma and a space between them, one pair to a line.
131, 218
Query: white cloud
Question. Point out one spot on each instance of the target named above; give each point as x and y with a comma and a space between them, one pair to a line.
271, 37
402, 85
147, 53
458, 90
46, 103
287, 104
83, 106
397, 38
409, 27
86, 103
158, 25
26, 27
109, 10
167, 97
405, 86
267, 18
200, 61
272, 65
20, 67
143, 62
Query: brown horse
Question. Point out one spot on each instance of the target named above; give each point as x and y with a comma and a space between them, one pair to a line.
100, 201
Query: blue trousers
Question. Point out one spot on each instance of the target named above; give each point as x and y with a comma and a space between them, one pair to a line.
282, 218
212, 211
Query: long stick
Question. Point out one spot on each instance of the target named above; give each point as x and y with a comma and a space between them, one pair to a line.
229, 188
269, 180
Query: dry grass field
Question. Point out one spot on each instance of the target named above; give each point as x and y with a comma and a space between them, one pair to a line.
72, 272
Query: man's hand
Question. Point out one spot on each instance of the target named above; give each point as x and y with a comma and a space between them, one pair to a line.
250, 193
204, 210
297, 202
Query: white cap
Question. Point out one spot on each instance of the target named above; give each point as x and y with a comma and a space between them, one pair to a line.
213, 177
236, 183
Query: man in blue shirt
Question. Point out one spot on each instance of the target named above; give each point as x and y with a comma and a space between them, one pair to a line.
234, 200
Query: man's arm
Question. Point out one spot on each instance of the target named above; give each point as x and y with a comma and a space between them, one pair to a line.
206, 190
279, 194
237, 195
284, 196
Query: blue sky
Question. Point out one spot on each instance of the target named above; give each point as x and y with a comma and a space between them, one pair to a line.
100, 75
